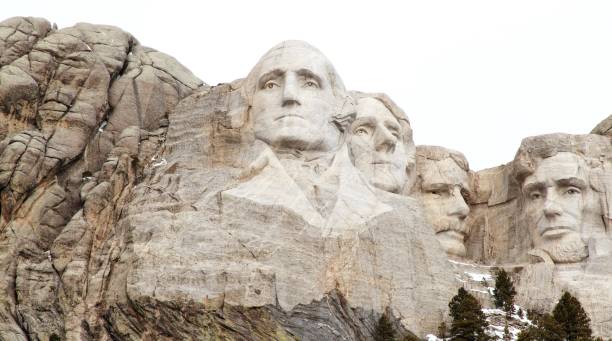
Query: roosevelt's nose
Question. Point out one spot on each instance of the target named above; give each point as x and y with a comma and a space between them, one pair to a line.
552, 209
384, 141
457, 206
290, 91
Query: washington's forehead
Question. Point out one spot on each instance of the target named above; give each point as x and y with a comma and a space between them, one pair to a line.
293, 59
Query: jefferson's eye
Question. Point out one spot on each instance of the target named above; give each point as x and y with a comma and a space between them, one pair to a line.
361, 131
270, 85
311, 84
572, 191
434, 192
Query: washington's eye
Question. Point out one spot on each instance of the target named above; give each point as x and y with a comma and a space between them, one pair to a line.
572, 191
311, 84
270, 85
535, 195
434, 192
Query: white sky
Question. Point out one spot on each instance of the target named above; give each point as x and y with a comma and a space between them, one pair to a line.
475, 76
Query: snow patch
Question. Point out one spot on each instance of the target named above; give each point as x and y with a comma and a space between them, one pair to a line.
478, 277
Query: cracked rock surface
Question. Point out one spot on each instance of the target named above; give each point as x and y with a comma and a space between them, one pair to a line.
82, 112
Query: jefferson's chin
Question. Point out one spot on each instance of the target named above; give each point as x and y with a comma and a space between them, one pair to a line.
386, 182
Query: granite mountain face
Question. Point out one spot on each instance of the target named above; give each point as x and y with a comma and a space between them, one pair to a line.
139, 203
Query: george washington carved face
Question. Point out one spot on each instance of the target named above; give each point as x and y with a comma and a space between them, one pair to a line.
294, 96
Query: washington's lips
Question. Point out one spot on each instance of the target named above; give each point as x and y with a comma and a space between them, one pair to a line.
381, 162
288, 115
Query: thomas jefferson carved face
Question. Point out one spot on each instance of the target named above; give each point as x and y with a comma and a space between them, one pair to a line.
294, 99
555, 199
443, 187
377, 145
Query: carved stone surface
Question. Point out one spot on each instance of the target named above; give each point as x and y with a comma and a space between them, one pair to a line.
260, 219
443, 187
136, 202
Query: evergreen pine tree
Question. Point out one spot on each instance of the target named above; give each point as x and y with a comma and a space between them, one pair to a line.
546, 328
384, 329
573, 319
410, 337
504, 292
551, 330
469, 322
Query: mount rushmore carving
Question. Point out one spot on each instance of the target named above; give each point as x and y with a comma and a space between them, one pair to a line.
137, 202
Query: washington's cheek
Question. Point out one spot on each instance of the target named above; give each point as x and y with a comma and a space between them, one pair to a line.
318, 112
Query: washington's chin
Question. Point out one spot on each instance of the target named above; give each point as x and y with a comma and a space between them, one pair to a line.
297, 137
452, 243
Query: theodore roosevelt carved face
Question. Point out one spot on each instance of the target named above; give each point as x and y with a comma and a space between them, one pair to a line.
442, 187
381, 143
295, 94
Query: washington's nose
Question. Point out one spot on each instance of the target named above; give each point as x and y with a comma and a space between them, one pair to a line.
458, 206
384, 141
290, 91
551, 207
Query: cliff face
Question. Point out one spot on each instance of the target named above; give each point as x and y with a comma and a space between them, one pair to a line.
137, 202
125, 214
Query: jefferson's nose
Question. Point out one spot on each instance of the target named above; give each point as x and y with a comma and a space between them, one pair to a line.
290, 91
552, 208
384, 141
458, 206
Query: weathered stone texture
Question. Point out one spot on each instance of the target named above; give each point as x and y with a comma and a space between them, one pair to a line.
138, 203
58, 209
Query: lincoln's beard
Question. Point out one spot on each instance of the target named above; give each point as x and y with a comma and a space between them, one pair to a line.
569, 249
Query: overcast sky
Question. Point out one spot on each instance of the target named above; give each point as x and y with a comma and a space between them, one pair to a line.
475, 76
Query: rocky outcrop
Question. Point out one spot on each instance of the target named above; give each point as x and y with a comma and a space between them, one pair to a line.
604, 127
80, 117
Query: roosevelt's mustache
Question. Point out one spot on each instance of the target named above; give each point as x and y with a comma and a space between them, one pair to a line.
450, 224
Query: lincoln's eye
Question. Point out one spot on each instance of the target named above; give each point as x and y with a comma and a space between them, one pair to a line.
572, 191
535, 195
